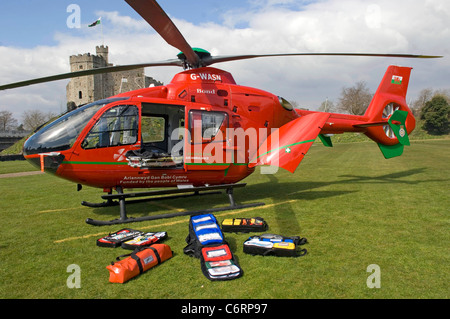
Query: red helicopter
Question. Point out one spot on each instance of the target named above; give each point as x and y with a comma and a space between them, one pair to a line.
202, 132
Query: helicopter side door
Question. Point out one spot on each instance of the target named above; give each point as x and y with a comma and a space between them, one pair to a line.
205, 143
161, 135
161, 125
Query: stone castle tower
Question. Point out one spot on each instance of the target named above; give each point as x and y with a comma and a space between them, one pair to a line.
87, 89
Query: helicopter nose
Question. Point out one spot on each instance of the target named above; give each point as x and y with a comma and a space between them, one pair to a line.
48, 162
41, 155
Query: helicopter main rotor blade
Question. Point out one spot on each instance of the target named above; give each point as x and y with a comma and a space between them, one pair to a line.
109, 69
205, 62
151, 12
218, 59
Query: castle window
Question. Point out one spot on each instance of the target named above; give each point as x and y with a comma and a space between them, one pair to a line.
80, 94
80, 67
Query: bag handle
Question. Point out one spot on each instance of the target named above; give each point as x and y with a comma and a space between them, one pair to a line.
302, 252
155, 251
136, 257
138, 262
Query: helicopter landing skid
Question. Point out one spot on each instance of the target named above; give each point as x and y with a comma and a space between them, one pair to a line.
195, 191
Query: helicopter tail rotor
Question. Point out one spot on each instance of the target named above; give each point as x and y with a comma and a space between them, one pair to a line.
389, 104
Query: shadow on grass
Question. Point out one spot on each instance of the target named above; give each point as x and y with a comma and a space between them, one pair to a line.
386, 178
273, 191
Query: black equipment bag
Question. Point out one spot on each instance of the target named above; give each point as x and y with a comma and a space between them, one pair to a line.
206, 242
244, 225
144, 240
117, 238
275, 245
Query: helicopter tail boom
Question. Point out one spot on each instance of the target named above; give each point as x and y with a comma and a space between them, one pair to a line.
388, 120
287, 146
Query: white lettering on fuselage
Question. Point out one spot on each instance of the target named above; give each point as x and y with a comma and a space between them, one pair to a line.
201, 91
206, 77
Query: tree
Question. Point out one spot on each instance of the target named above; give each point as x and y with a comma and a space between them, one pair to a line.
71, 106
7, 121
436, 114
327, 106
425, 95
445, 93
32, 119
356, 99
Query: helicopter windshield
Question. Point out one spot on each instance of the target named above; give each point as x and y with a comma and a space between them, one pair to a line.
62, 133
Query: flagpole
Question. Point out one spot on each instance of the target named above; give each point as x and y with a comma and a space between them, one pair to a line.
97, 22
101, 30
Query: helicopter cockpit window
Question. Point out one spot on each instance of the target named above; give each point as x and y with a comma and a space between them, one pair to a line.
117, 126
61, 134
207, 126
285, 104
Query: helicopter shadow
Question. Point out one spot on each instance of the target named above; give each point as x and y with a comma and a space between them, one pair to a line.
278, 191
274, 189
386, 178
250, 193
309, 190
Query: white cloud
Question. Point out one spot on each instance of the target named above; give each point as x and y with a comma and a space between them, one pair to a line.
267, 27
123, 22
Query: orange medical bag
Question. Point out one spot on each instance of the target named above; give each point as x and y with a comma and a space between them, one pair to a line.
139, 261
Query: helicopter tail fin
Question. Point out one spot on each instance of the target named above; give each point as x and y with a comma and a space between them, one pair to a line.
389, 104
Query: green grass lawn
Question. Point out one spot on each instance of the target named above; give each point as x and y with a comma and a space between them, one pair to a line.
354, 207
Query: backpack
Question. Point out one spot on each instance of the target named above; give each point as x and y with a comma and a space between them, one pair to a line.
206, 242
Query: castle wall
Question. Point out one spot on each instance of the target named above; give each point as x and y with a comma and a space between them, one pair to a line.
91, 88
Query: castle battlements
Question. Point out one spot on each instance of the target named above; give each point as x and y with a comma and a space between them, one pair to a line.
87, 89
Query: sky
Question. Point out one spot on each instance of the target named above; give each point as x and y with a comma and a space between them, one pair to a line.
37, 38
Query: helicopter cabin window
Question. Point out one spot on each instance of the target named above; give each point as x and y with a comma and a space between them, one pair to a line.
206, 126
117, 126
160, 125
153, 129
162, 133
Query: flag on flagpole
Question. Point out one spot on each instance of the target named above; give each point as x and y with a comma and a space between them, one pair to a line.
97, 22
